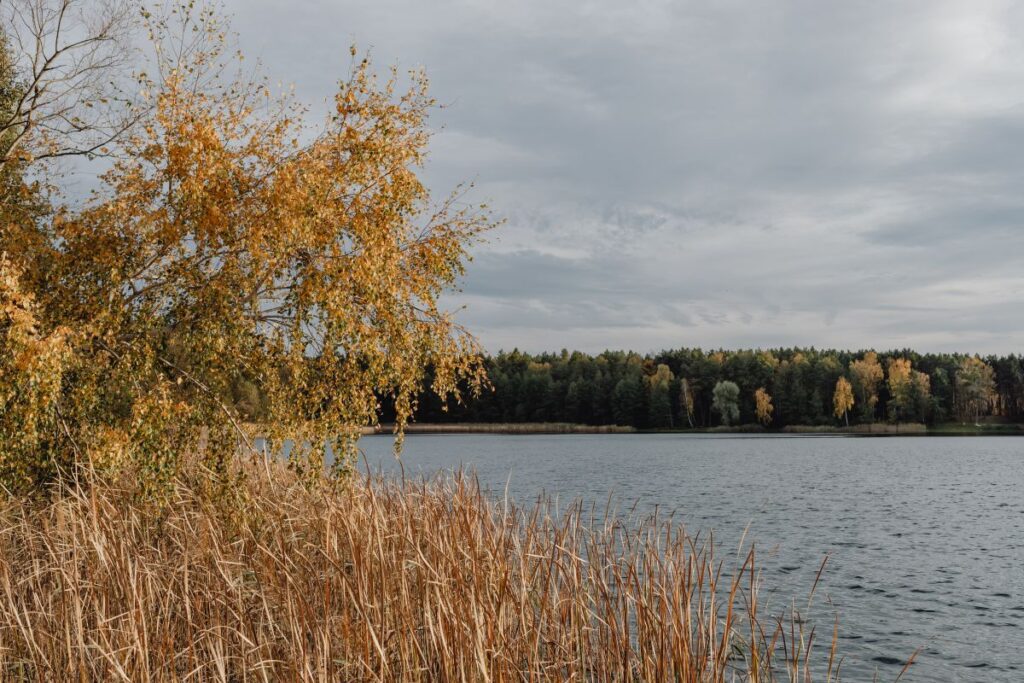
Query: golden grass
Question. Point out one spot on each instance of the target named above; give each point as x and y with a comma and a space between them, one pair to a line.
378, 580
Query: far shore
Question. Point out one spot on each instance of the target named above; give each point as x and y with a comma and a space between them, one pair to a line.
877, 429
503, 428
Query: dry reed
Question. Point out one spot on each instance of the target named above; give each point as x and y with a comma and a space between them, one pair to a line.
378, 580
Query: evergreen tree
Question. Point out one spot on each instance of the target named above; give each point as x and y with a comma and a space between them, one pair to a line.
659, 405
628, 401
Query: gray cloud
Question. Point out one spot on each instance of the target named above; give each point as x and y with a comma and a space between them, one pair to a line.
726, 174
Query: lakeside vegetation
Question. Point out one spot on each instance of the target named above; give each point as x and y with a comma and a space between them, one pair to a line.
376, 580
237, 264
776, 388
229, 240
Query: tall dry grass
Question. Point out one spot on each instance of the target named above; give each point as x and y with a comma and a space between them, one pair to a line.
377, 580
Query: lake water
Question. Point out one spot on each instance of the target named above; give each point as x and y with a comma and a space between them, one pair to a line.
925, 535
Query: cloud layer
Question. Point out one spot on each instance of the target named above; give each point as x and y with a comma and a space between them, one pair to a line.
717, 174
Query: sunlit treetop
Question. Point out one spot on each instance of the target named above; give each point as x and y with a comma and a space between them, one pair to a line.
232, 241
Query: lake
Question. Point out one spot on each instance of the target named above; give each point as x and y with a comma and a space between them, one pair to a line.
925, 535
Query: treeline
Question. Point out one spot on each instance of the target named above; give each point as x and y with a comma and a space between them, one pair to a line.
692, 388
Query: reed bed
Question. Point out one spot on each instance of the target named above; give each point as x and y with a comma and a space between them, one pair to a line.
872, 428
379, 579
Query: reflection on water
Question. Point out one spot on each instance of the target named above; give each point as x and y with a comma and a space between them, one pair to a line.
925, 536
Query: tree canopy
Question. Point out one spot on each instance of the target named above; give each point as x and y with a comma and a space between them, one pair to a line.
976, 384
763, 406
842, 399
233, 245
802, 386
725, 401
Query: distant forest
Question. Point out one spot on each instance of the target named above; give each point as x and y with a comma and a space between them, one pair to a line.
692, 388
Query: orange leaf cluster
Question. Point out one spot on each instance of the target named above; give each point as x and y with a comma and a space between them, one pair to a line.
223, 253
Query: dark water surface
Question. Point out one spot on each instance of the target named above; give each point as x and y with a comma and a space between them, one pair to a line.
925, 535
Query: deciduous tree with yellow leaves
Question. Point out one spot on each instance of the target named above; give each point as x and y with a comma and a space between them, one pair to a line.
763, 407
909, 391
842, 400
230, 240
866, 374
899, 386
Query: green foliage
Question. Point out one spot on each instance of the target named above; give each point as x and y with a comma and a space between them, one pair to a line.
659, 408
628, 401
976, 387
616, 387
32, 365
726, 401
910, 392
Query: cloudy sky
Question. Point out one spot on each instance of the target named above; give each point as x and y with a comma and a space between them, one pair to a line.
711, 173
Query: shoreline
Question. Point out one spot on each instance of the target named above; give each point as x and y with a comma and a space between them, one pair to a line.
501, 428
526, 428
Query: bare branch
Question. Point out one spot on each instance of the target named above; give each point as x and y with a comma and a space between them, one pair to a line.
71, 66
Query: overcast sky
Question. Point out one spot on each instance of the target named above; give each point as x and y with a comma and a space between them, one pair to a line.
736, 174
